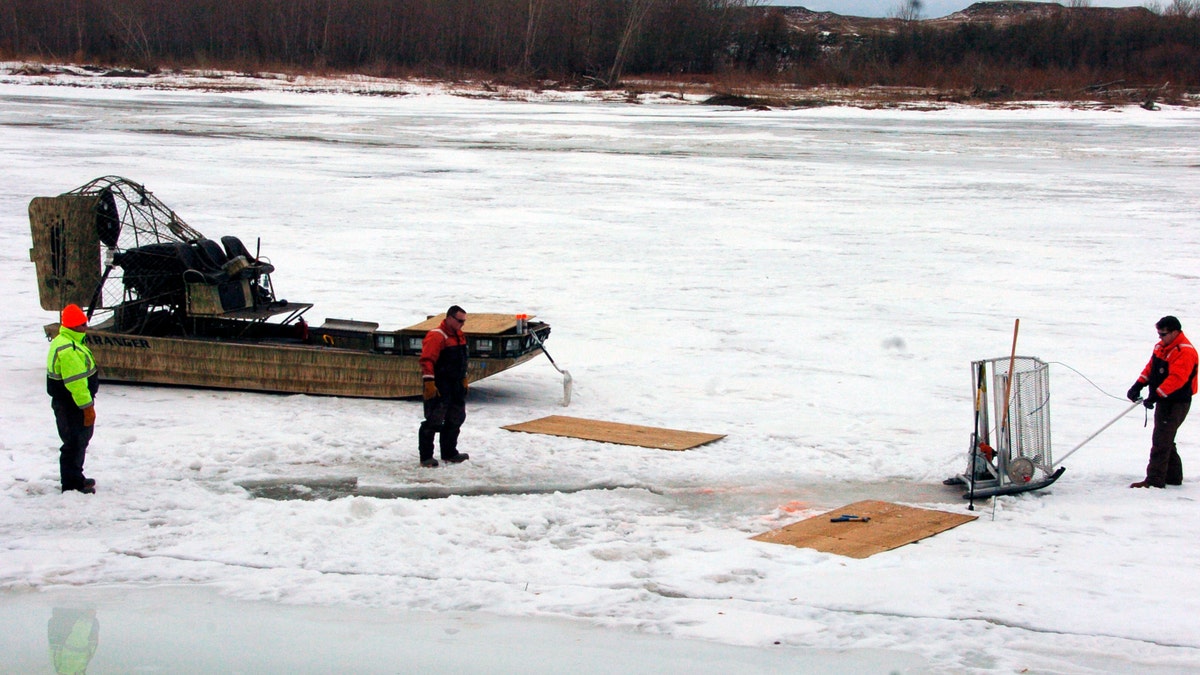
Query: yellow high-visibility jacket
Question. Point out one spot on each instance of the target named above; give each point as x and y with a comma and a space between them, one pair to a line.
71, 369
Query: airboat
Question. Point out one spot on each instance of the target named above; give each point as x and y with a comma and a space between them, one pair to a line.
167, 305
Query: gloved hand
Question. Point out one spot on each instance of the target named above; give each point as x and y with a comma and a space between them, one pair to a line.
1135, 392
431, 390
1150, 401
89, 416
466, 385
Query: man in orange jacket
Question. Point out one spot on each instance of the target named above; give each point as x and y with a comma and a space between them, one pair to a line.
444, 376
1171, 376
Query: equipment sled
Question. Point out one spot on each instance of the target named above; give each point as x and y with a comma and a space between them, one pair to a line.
997, 489
1017, 458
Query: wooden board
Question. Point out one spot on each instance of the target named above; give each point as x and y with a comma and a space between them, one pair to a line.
615, 432
477, 324
891, 526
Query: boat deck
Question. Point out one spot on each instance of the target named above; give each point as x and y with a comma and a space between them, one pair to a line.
264, 313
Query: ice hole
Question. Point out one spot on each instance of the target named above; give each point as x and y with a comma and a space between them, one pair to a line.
313, 489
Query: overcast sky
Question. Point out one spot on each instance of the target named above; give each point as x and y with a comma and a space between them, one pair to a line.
929, 8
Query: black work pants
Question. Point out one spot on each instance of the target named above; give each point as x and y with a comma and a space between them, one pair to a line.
444, 415
1165, 467
75, 438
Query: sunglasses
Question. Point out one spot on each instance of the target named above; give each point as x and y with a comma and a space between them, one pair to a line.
1164, 333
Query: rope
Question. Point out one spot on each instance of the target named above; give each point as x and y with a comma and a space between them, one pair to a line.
1145, 421
1085, 377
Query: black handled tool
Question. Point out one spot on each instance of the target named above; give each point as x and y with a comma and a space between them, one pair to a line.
848, 518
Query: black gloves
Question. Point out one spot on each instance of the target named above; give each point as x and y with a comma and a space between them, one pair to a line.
1135, 393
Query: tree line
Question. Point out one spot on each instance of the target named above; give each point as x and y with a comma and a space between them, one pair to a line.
596, 40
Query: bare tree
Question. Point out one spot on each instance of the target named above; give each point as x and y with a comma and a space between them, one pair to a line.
132, 29
638, 9
909, 10
533, 21
1184, 8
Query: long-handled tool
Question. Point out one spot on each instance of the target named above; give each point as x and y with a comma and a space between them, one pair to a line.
1012, 359
1003, 429
973, 462
567, 382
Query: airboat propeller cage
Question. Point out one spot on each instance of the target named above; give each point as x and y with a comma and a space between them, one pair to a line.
1010, 447
124, 216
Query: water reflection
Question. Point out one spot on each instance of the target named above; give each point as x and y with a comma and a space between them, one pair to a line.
194, 629
74, 635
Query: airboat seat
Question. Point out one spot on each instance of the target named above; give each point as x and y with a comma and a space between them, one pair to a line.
197, 265
234, 248
211, 253
235, 266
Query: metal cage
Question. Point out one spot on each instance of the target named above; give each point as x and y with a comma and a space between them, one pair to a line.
1010, 447
1026, 431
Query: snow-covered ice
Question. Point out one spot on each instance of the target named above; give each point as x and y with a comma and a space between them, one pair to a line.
812, 283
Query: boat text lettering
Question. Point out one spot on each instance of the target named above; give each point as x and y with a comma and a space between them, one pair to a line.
107, 341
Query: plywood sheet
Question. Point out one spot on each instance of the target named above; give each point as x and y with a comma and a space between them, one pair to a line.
890, 526
615, 432
477, 324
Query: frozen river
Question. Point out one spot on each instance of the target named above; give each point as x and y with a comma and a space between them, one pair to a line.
811, 283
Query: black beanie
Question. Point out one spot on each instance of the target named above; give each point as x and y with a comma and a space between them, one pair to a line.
1168, 323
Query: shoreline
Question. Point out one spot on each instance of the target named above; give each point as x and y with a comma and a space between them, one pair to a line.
636, 91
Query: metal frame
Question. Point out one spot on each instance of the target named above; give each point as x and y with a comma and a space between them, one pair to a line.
1020, 438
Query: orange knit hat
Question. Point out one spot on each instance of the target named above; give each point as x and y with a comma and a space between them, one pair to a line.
73, 317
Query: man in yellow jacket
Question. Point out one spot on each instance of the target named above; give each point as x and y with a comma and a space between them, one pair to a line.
72, 384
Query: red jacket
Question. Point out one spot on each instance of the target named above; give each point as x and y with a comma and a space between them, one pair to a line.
1171, 372
436, 341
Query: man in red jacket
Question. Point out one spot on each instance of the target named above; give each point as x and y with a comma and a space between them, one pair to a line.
444, 375
1171, 376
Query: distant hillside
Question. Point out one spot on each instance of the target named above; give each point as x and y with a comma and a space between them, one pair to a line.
1006, 11
999, 13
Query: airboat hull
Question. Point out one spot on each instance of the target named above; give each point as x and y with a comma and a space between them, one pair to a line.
267, 367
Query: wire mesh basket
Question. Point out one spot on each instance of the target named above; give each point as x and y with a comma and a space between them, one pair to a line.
1010, 445
1025, 432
